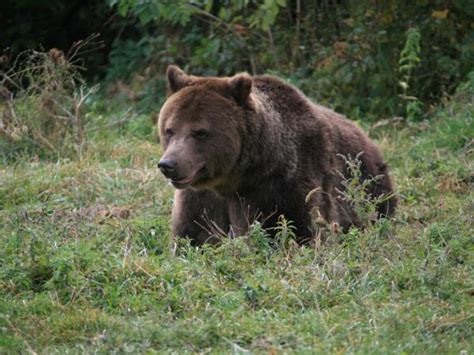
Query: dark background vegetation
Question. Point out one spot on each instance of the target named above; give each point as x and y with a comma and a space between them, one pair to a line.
342, 53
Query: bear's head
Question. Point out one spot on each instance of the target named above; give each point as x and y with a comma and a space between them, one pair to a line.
201, 125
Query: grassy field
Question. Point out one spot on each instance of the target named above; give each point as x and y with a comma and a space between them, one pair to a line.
86, 264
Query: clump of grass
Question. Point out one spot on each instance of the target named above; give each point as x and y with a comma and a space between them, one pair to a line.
44, 98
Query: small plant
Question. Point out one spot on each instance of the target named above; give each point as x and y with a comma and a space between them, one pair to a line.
285, 234
409, 60
259, 239
44, 96
356, 191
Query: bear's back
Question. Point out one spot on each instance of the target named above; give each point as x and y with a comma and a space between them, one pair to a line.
283, 96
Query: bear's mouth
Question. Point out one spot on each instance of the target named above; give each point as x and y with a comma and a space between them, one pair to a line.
181, 183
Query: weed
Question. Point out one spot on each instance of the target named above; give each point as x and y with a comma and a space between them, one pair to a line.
409, 59
44, 102
356, 191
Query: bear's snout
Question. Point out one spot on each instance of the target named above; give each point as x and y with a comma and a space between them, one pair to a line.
168, 168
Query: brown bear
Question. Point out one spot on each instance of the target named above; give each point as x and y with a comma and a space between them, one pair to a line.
243, 148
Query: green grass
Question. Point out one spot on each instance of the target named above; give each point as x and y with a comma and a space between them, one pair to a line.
86, 264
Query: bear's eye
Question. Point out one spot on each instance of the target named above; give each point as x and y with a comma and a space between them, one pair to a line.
169, 132
201, 134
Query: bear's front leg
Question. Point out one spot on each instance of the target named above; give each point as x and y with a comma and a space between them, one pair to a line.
199, 215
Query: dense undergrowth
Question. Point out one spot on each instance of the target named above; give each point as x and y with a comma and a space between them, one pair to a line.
339, 52
86, 263
404, 56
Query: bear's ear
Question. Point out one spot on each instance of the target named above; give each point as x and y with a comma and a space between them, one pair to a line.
240, 87
177, 79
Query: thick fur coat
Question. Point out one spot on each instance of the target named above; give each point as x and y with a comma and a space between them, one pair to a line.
245, 148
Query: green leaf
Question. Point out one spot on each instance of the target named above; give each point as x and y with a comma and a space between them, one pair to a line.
208, 6
123, 8
145, 17
225, 14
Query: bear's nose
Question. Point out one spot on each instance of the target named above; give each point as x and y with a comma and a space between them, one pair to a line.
167, 167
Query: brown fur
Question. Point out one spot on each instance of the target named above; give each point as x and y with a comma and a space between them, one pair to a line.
244, 147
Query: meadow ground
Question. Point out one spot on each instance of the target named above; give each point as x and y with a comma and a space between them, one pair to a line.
86, 264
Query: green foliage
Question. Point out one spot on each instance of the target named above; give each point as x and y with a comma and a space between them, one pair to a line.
176, 12
343, 54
